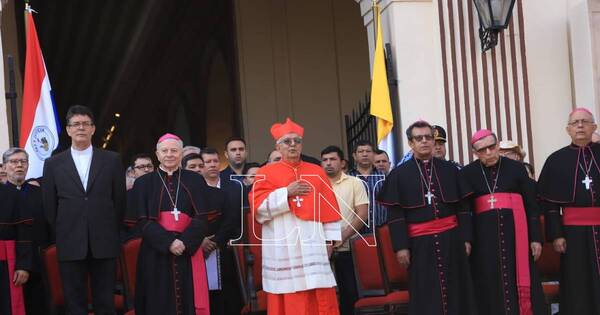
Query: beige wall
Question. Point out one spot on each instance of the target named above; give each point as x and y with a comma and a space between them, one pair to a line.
549, 64
562, 46
306, 59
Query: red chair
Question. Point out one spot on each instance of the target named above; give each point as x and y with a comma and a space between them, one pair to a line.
249, 265
129, 255
374, 294
56, 299
395, 274
549, 267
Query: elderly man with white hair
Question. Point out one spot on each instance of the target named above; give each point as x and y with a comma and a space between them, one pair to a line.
171, 206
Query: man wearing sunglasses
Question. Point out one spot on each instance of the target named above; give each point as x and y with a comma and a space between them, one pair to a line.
430, 232
570, 181
299, 213
507, 236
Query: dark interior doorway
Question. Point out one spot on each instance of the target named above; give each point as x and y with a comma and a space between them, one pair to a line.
164, 66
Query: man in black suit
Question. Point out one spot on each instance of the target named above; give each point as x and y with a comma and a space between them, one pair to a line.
84, 200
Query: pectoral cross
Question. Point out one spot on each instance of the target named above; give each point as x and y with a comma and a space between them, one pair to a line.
429, 195
176, 213
492, 201
587, 181
298, 201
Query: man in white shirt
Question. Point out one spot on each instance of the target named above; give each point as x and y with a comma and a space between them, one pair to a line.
84, 199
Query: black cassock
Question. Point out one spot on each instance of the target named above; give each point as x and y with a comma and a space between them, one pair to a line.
440, 281
561, 186
164, 283
15, 247
493, 259
224, 218
41, 236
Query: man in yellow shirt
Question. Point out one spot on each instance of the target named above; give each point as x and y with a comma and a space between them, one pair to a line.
353, 201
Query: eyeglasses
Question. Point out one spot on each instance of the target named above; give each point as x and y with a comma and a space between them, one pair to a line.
484, 149
16, 162
79, 124
419, 138
144, 166
289, 141
584, 122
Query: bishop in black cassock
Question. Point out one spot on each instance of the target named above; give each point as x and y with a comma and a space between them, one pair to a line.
15, 251
570, 181
171, 205
430, 230
507, 235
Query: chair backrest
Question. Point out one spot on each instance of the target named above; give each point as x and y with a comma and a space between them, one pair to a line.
129, 256
254, 235
52, 276
396, 274
248, 256
549, 262
367, 267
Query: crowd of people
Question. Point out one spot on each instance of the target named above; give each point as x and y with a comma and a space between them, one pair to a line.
468, 235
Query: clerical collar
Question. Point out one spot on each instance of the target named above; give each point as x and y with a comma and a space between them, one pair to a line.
574, 146
15, 186
291, 164
167, 173
85, 151
422, 161
491, 166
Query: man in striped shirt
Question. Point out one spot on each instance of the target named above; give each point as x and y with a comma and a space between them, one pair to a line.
373, 179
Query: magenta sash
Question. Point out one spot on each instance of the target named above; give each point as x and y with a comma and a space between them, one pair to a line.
581, 216
432, 227
8, 254
201, 303
514, 202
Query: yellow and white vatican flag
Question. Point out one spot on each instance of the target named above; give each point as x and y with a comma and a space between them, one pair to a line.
381, 106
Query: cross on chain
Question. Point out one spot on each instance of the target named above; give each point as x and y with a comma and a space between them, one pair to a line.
587, 181
429, 195
492, 200
298, 201
176, 213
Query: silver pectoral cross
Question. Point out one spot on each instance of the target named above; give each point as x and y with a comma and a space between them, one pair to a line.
176, 213
492, 201
587, 181
429, 195
298, 201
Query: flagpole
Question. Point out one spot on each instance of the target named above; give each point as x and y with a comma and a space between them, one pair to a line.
373, 8
11, 95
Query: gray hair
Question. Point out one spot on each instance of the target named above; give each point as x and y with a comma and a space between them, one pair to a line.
12, 151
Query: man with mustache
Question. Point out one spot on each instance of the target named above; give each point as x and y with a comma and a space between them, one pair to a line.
17, 164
